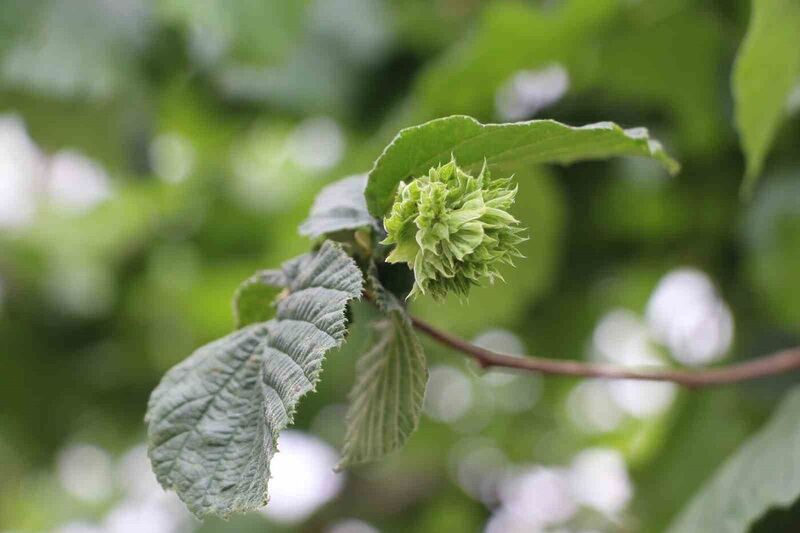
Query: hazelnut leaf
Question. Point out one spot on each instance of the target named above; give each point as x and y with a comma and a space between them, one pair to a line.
502, 146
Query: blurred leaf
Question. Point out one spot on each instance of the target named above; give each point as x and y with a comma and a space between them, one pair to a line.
213, 421
416, 149
511, 36
339, 206
78, 48
645, 63
419, 22
321, 72
73, 258
771, 229
310, 80
666, 482
254, 299
360, 30
764, 473
258, 31
639, 207
766, 69
386, 399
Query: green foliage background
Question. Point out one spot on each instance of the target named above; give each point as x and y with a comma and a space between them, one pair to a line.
96, 306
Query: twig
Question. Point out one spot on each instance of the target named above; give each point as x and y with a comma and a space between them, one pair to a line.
778, 363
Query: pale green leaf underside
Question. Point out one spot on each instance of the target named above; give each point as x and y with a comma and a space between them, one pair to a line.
763, 474
214, 419
339, 206
253, 301
767, 67
416, 149
386, 399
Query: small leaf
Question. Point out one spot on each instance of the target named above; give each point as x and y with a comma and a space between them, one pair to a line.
254, 299
339, 206
386, 400
415, 150
763, 474
766, 69
214, 419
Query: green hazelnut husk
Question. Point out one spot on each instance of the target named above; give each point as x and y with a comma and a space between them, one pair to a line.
453, 229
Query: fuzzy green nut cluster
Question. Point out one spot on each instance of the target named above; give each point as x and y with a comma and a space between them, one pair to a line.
453, 229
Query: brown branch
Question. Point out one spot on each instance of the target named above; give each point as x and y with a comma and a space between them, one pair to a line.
778, 363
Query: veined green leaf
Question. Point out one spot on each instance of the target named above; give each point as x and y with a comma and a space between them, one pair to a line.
416, 149
767, 67
763, 474
386, 399
339, 206
214, 419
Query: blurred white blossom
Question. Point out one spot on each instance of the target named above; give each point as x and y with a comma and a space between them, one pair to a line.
529, 91
532, 499
448, 396
642, 399
507, 390
536, 498
22, 167
302, 477
317, 143
599, 479
686, 314
351, 526
500, 340
135, 476
592, 408
76, 527
85, 472
479, 467
68, 181
75, 183
144, 505
151, 515
622, 338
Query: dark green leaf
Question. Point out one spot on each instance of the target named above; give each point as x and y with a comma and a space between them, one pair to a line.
415, 150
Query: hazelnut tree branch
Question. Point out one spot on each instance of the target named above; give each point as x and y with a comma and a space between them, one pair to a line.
781, 362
